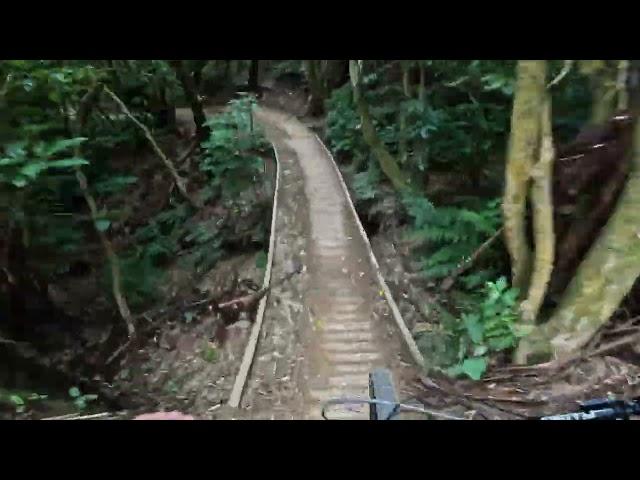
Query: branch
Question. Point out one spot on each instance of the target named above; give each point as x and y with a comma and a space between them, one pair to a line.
76, 416
448, 282
180, 182
192, 148
8, 341
83, 111
563, 73
388, 164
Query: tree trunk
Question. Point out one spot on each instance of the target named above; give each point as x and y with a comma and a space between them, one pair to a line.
603, 89
604, 187
227, 71
254, 70
337, 74
388, 164
542, 206
523, 149
316, 84
191, 92
601, 282
621, 84
406, 85
402, 140
633, 85
198, 66
84, 109
421, 87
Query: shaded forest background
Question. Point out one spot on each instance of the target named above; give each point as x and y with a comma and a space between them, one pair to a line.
509, 189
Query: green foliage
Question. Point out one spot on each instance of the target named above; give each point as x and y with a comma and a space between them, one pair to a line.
462, 122
25, 164
261, 260
492, 328
343, 125
286, 66
34, 175
145, 84
232, 160
39, 99
79, 399
366, 184
444, 237
140, 274
571, 102
486, 326
20, 401
210, 353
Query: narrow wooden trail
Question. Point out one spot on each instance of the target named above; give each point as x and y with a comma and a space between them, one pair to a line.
323, 332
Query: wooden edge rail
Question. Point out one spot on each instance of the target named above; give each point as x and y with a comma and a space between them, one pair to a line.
249, 352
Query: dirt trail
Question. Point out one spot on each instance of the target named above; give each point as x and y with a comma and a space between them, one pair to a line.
324, 331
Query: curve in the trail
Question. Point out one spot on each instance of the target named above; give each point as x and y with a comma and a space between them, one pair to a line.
349, 324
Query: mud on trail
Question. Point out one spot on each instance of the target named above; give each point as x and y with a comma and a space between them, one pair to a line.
326, 329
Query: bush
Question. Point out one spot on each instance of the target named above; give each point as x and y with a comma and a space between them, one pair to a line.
444, 237
486, 326
232, 158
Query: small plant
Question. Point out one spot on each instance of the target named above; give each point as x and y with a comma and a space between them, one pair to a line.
493, 327
20, 402
210, 353
79, 399
366, 184
171, 387
261, 260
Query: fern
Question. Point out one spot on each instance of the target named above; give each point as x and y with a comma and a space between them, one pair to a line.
444, 237
365, 184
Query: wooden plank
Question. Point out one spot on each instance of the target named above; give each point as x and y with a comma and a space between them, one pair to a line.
247, 359
402, 326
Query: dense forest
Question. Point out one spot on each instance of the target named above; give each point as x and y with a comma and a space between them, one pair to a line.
136, 201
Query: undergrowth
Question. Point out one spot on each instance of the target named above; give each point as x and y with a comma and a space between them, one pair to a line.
460, 126
236, 212
487, 323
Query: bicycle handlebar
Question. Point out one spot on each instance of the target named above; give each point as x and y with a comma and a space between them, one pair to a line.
384, 404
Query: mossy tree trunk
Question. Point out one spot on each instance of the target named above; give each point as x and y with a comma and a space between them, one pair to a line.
603, 79
388, 163
421, 87
406, 88
523, 150
601, 282
542, 207
191, 93
254, 71
317, 86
